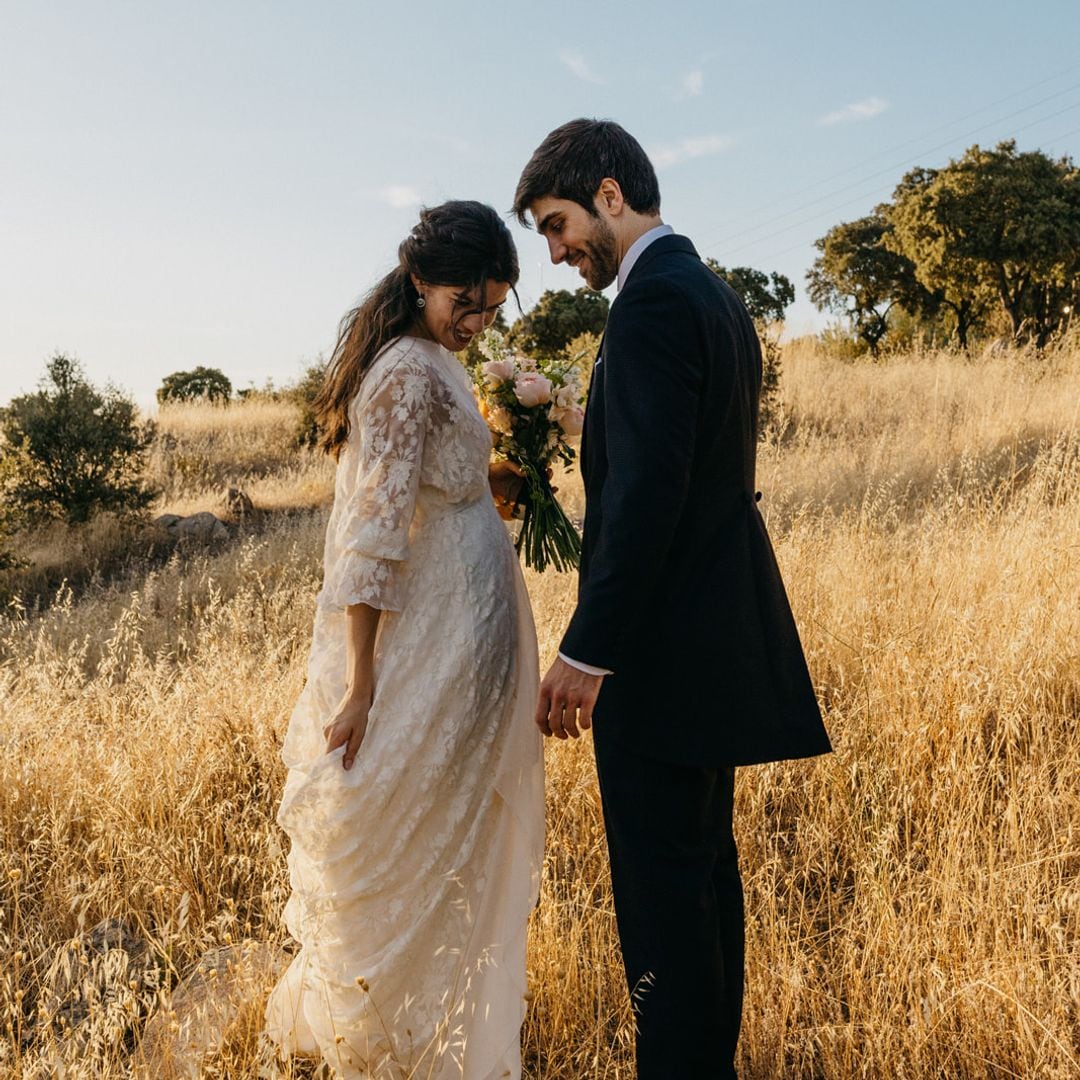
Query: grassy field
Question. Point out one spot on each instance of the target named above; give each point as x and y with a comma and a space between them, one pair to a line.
913, 900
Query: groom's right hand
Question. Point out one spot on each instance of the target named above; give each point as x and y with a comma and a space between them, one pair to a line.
567, 698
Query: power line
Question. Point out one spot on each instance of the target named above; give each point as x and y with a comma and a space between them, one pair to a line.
918, 138
855, 199
712, 244
796, 247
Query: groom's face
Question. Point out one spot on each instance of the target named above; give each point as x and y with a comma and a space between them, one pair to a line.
578, 238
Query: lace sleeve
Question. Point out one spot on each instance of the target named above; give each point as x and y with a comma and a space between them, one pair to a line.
373, 529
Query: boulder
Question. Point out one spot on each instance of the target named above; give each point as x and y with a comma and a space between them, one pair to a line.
203, 526
98, 987
194, 1019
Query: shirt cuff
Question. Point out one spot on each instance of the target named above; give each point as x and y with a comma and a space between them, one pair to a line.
587, 668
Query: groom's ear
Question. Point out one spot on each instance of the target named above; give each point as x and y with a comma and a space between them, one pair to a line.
609, 197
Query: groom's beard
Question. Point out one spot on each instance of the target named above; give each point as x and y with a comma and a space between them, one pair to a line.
602, 251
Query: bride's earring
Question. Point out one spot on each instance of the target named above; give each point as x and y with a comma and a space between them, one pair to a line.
421, 302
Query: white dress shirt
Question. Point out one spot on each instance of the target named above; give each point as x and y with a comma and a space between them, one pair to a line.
633, 253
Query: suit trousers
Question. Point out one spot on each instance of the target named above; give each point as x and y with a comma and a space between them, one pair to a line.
679, 908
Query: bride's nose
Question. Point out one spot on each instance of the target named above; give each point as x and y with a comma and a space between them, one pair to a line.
474, 324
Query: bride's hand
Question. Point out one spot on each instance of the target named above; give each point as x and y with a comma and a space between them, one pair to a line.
505, 480
348, 726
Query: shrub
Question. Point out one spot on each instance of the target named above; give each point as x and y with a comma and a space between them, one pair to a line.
558, 318
70, 450
205, 383
303, 392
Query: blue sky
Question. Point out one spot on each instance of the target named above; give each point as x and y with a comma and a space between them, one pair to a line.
216, 183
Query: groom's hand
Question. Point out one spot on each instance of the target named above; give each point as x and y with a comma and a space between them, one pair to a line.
567, 697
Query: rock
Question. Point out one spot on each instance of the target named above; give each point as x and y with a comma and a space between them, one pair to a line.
98, 987
203, 526
238, 504
194, 1019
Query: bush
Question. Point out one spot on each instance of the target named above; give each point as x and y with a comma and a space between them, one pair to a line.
8, 522
558, 318
202, 383
303, 392
70, 450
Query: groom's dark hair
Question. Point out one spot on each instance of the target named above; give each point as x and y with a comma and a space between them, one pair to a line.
574, 159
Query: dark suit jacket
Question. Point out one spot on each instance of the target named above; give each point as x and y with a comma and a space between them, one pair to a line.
679, 592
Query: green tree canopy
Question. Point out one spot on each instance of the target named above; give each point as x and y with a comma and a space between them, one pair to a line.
204, 383
558, 318
960, 292
766, 296
859, 276
996, 223
70, 450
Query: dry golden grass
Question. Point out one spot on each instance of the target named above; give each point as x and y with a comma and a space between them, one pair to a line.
202, 449
913, 899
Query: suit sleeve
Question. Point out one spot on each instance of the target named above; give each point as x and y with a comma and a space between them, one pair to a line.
653, 374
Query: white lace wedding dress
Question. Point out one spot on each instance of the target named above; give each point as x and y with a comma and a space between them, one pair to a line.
413, 874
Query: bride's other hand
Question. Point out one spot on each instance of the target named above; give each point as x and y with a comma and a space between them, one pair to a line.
348, 726
505, 480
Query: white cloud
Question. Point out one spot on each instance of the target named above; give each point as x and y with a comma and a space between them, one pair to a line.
693, 84
399, 196
686, 149
578, 65
859, 110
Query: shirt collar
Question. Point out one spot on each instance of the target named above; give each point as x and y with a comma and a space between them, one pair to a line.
637, 247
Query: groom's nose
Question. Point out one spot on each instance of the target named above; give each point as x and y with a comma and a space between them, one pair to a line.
558, 250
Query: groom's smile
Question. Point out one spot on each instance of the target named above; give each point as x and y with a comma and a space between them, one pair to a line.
582, 240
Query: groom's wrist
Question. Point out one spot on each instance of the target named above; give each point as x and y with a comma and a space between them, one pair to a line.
589, 669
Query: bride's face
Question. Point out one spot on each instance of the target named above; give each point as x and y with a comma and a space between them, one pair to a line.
453, 315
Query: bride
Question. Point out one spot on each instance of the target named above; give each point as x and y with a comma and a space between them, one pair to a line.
414, 795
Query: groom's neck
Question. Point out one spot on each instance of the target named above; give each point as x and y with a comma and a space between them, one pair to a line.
634, 226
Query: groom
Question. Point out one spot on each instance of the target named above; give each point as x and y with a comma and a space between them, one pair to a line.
682, 653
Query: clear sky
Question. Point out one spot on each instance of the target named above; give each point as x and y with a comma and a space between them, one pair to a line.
216, 183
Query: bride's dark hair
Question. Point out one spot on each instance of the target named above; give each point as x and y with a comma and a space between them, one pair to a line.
460, 243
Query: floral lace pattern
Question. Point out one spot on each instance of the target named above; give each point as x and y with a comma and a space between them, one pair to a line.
413, 874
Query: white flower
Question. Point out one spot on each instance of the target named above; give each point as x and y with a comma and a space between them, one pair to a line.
500, 420
492, 345
566, 396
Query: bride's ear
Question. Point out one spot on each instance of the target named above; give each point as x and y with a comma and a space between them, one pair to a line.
416, 282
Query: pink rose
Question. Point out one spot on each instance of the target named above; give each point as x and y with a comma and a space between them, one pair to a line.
572, 420
532, 388
497, 372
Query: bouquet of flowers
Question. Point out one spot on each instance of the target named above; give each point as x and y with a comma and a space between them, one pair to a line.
533, 409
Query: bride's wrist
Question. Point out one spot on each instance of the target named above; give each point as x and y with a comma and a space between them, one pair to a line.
359, 693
